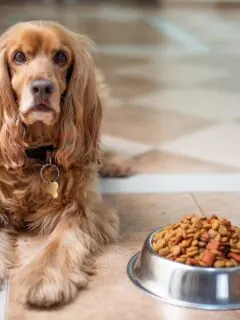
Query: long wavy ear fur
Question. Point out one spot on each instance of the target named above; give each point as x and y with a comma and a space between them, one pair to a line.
81, 111
11, 130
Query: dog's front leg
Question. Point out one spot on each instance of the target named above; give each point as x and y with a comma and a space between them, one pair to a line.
56, 270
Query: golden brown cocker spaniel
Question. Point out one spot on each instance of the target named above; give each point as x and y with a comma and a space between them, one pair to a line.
51, 101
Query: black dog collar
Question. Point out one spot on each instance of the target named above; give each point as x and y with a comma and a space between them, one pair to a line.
40, 153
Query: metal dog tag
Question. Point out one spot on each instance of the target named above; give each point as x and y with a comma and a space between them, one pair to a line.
52, 189
51, 184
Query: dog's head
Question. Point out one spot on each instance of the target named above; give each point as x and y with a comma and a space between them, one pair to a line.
47, 76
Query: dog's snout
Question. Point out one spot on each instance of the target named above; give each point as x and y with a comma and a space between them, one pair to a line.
42, 88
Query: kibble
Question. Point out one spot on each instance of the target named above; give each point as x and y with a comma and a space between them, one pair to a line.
215, 224
200, 241
219, 264
175, 250
222, 230
164, 252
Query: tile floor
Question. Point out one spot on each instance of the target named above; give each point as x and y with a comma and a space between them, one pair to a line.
174, 78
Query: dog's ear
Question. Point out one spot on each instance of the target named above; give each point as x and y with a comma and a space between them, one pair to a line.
81, 113
11, 132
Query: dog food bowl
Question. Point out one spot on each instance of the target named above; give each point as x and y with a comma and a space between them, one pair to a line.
183, 285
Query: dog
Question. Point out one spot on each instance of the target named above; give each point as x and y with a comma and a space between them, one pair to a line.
51, 103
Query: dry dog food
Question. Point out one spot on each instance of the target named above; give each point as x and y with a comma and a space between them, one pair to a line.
200, 241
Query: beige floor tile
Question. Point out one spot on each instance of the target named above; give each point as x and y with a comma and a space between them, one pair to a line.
163, 162
148, 126
217, 144
220, 85
108, 62
123, 147
173, 313
124, 86
204, 103
223, 204
171, 73
142, 213
130, 86
131, 32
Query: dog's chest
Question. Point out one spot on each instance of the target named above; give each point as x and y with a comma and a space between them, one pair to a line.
25, 192
34, 190
26, 196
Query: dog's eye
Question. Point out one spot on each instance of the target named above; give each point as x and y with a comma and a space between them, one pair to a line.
60, 58
20, 58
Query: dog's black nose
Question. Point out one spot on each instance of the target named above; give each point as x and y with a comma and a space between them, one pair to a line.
42, 88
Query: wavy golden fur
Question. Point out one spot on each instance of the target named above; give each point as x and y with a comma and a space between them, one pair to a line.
77, 223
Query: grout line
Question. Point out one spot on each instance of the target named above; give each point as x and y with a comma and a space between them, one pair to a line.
3, 300
171, 183
196, 203
178, 34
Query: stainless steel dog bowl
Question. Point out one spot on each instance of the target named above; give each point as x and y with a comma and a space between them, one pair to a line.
183, 285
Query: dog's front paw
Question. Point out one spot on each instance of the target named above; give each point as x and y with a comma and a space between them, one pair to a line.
49, 292
51, 287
